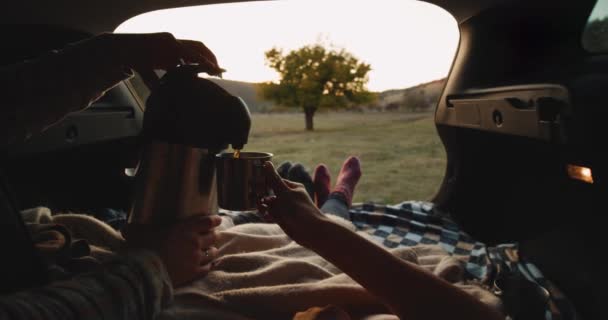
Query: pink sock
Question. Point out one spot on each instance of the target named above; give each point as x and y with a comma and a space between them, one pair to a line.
321, 182
348, 178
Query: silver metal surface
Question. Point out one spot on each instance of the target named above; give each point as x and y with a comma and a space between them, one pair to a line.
173, 182
241, 181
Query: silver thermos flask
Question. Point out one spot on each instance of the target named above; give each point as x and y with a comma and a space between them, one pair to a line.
187, 121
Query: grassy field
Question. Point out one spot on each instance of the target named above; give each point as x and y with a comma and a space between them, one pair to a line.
401, 155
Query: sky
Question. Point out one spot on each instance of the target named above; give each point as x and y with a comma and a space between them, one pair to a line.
600, 10
406, 42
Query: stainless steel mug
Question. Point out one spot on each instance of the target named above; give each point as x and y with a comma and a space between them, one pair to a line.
241, 181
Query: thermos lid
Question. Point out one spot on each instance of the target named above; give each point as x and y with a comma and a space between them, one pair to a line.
187, 109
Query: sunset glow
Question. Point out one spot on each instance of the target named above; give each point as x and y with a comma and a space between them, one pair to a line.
406, 42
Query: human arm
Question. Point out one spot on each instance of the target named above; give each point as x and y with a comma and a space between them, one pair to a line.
136, 285
133, 286
37, 93
409, 291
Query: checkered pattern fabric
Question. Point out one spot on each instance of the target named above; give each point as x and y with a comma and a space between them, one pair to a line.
414, 222
411, 223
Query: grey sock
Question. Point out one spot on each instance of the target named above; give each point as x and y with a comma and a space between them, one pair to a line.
283, 169
297, 173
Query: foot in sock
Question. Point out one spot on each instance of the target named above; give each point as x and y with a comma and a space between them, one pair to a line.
297, 173
348, 179
283, 169
321, 180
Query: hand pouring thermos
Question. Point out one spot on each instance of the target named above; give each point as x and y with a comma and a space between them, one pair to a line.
187, 121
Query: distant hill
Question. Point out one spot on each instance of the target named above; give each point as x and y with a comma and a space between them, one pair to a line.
417, 98
248, 92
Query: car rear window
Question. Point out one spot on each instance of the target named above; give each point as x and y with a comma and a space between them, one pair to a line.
595, 36
409, 46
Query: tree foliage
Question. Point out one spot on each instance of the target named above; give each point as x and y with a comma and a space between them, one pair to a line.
314, 77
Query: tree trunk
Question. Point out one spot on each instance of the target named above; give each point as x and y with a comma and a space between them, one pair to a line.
309, 112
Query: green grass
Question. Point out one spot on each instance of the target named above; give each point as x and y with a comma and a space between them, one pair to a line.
401, 155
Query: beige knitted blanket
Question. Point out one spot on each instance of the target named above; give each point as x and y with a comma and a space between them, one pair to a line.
263, 274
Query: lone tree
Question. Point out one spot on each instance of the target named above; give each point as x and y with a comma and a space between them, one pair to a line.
312, 77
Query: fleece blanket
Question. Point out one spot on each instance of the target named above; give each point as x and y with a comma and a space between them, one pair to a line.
263, 274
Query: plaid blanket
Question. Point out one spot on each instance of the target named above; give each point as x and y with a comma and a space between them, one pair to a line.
414, 222
411, 223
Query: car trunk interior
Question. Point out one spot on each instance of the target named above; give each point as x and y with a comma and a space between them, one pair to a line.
510, 134
79, 163
522, 102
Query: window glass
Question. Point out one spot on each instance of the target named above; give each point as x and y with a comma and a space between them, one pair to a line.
408, 46
595, 36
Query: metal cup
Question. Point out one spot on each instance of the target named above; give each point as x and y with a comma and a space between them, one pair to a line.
241, 181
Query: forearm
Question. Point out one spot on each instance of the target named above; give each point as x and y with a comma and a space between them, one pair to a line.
135, 287
37, 93
409, 291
